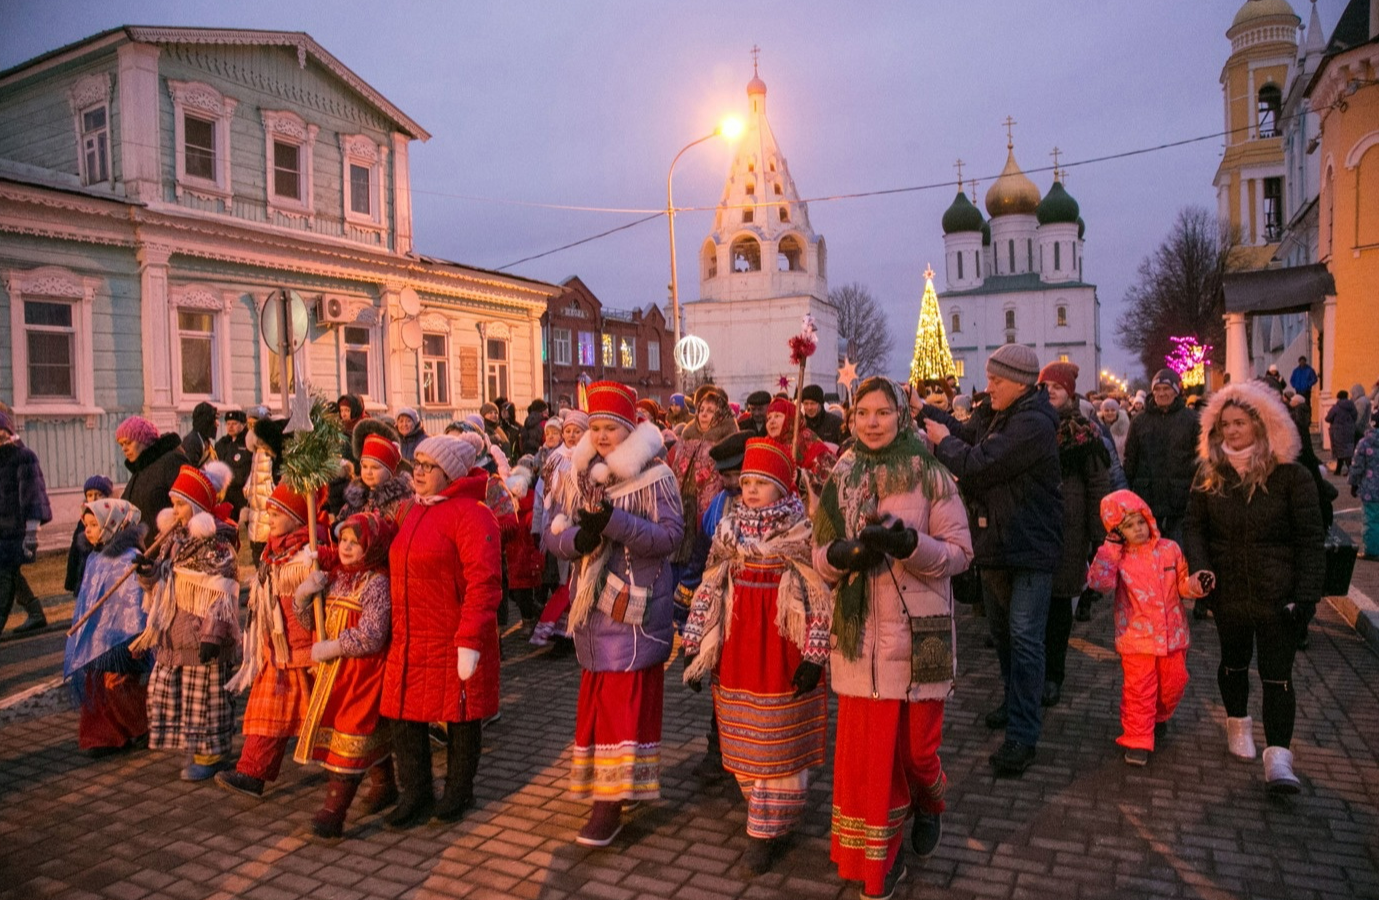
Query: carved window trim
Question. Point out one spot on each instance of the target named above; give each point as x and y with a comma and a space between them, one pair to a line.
54, 284
360, 150
86, 95
287, 127
202, 298
366, 317
203, 102
434, 323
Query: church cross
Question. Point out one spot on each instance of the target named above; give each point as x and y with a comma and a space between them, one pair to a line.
973, 189
1009, 122
959, 168
1055, 155
756, 51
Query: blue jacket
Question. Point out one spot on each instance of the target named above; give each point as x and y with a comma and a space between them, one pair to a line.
1303, 379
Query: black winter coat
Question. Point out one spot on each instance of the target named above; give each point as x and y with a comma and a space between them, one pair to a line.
1008, 466
1084, 485
1265, 552
151, 478
1161, 458
23, 498
240, 459
531, 436
827, 427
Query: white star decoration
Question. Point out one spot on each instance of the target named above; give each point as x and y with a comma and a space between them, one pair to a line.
848, 373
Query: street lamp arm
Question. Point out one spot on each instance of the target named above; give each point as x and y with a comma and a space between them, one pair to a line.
677, 158
671, 234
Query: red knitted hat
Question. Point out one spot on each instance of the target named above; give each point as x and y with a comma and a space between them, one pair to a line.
193, 486
289, 501
614, 402
1062, 373
765, 458
382, 451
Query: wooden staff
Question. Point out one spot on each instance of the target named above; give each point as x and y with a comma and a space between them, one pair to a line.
796, 453
113, 588
318, 601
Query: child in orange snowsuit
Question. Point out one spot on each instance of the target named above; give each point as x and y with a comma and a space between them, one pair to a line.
1151, 578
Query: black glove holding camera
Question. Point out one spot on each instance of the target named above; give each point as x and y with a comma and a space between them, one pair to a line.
892, 537
852, 556
592, 524
807, 677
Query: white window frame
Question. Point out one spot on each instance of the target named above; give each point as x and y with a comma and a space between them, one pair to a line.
90, 93
560, 346
52, 284
434, 323
359, 150
205, 299
501, 370
283, 126
654, 355
203, 102
367, 319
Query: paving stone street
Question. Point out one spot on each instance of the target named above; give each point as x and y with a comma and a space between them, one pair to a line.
1080, 824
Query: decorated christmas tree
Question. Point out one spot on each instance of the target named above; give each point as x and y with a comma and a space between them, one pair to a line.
932, 360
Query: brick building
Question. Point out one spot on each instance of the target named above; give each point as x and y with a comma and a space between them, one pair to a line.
581, 337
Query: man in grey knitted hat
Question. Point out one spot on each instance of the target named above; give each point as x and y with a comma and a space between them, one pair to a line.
1008, 465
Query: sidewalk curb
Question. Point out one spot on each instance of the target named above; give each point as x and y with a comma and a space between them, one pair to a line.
1360, 612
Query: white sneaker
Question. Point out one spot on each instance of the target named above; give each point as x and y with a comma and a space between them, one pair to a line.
1280, 771
1240, 743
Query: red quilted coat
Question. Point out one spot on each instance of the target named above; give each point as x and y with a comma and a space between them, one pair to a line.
445, 584
525, 558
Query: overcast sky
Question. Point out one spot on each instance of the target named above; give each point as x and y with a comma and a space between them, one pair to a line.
586, 104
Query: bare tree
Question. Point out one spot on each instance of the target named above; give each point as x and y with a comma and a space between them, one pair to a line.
864, 328
1179, 290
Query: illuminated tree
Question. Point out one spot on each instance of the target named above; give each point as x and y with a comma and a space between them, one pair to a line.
932, 360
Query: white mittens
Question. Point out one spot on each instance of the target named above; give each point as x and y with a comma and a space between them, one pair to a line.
466, 662
313, 584
325, 651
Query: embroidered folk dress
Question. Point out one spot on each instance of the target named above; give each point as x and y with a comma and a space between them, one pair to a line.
769, 738
341, 727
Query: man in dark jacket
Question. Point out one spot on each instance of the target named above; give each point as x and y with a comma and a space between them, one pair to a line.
23, 508
827, 426
198, 444
153, 461
1161, 454
754, 418
1008, 465
232, 451
532, 427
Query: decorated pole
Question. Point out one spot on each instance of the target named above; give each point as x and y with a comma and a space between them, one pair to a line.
153, 548
802, 347
311, 458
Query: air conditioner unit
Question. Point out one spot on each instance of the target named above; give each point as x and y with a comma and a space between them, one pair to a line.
331, 310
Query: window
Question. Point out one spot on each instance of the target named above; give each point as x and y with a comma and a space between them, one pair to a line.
958, 368
561, 346
95, 146
1271, 207
1011, 319
748, 215
783, 215
1061, 316
201, 139
709, 257
749, 188
1030, 256
496, 358
789, 255
654, 355
1064, 357
356, 356
289, 143
745, 255
361, 197
1057, 256
196, 338
959, 258
50, 339
361, 177
607, 348
1268, 112
587, 349
777, 189
1011, 257
276, 373
954, 323
628, 353
436, 376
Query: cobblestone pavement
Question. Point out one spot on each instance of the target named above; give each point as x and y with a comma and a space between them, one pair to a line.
1080, 824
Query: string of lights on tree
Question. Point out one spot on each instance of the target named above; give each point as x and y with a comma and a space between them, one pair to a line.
1189, 359
931, 360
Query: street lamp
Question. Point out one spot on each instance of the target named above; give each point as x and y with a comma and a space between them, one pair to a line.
730, 128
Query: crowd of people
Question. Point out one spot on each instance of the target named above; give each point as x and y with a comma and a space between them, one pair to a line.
794, 546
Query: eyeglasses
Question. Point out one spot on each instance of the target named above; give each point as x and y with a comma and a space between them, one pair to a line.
424, 468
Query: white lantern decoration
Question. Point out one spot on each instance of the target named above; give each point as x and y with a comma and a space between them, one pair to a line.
692, 353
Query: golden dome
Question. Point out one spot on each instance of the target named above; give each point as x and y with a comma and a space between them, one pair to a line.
1013, 192
1260, 9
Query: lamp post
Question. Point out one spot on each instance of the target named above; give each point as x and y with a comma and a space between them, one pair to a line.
730, 128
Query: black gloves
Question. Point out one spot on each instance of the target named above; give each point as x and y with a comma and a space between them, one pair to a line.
892, 538
1302, 614
597, 520
807, 677
207, 652
1090, 596
686, 660
852, 556
586, 540
144, 567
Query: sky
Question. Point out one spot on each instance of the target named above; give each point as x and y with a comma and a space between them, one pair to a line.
586, 103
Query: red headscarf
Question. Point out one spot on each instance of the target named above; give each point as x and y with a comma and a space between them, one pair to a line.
374, 532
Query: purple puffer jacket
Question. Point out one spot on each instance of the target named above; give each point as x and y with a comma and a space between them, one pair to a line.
641, 546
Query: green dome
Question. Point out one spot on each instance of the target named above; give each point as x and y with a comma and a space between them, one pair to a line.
1081, 228
987, 234
1057, 207
961, 216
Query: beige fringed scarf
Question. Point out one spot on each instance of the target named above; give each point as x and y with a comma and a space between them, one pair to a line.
203, 594
266, 634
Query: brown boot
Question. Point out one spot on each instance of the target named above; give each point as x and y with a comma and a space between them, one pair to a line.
606, 821
329, 822
380, 790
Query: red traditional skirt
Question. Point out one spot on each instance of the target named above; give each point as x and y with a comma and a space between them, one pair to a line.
886, 763
618, 735
277, 702
764, 732
341, 728
113, 710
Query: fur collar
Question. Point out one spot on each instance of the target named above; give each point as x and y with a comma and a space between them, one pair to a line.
628, 459
127, 538
1281, 433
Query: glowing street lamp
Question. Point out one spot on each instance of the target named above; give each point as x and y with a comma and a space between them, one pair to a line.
731, 128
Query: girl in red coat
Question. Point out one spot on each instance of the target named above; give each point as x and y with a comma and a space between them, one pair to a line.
443, 660
523, 553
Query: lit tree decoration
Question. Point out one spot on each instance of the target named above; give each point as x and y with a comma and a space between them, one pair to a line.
1189, 358
932, 360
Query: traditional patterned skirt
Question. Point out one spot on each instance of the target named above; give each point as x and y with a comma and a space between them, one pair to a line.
886, 763
278, 702
190, 709
341, 730
618, 735
769, 738
114, 709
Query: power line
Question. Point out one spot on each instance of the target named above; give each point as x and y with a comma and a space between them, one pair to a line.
593, 237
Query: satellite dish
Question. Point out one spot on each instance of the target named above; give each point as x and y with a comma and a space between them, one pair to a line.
409, 302
271, 320
411, 333
691, 353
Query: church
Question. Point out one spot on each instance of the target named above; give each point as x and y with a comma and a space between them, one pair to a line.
1018, 277
762, 269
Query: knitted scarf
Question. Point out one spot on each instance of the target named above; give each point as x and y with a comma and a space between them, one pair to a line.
284, 566
849, 502
1078, 439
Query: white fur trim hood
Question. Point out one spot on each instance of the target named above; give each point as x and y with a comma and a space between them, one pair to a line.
1281, 433
628, 459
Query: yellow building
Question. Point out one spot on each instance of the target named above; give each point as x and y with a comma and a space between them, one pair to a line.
1344, 95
